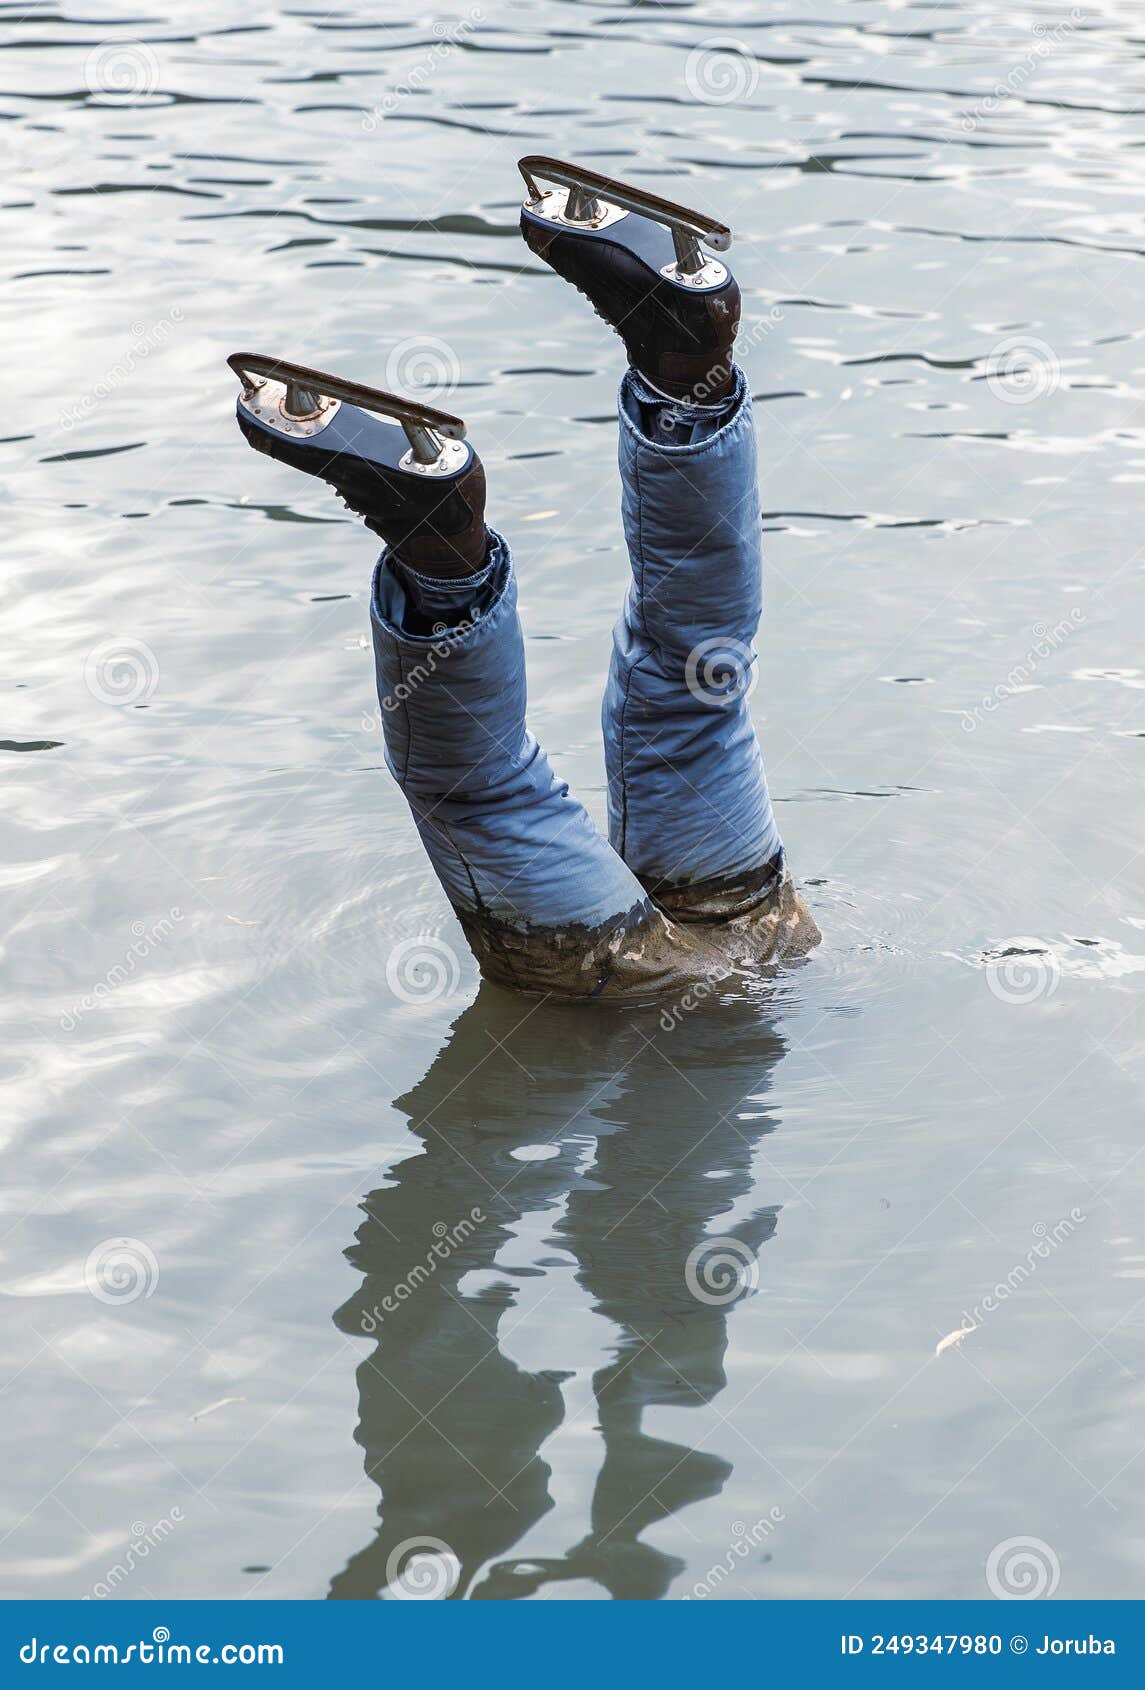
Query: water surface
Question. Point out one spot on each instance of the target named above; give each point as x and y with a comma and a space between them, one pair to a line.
208, 1048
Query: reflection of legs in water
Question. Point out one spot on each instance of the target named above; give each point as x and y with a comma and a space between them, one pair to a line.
660, 1265
451, 1425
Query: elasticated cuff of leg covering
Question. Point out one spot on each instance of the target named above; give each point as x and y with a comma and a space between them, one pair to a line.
395, 613
449, 597
668, 425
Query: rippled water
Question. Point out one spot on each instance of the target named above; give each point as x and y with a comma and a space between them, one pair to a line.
939, 232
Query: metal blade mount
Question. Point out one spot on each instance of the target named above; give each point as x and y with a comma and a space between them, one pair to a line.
305, 384
589, 184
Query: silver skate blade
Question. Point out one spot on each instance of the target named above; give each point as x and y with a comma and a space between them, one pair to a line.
311, 397
593, 197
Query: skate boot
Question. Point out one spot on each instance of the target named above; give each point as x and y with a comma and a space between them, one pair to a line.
637, 258
403, 466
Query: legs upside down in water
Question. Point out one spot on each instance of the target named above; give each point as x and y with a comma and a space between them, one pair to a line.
692, 885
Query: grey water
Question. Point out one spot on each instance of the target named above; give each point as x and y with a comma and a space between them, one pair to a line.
328, 1271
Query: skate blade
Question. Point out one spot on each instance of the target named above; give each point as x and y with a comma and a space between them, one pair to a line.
301, 402
584, 199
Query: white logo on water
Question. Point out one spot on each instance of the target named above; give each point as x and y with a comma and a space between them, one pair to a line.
1021, 1569
1023, 971
422, 970
121, 672
721, 71
721, 1270
121, 1270
424, 366
1023, 369
422, 1569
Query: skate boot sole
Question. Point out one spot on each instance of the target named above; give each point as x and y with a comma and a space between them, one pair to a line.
661, 235
404, 467
307, 418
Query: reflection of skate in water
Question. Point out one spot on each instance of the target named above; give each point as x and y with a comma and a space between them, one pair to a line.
650, 1192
